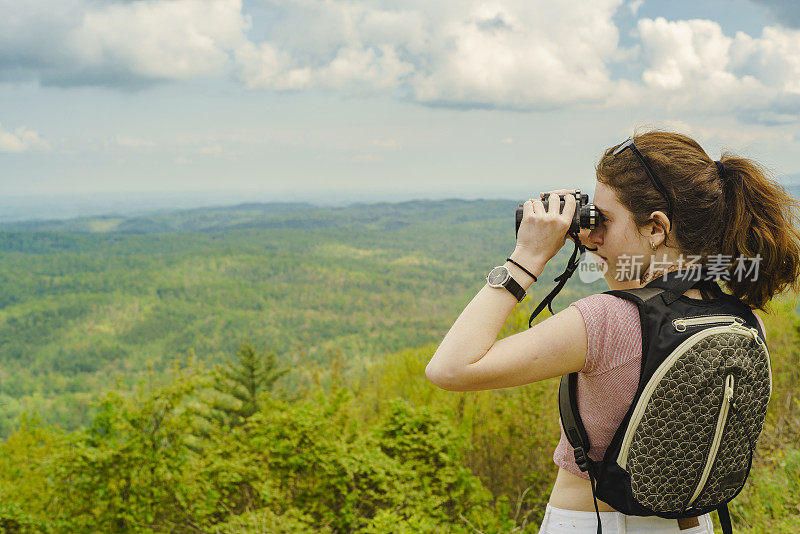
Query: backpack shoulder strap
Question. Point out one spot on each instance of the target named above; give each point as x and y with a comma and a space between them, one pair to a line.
724, 518
571, 420
576, 433
639, 295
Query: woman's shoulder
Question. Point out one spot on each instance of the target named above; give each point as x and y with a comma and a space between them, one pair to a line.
763, 329
612, 329
603, 302
601, 311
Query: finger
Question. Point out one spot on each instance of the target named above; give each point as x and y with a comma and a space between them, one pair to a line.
569, 206
538, 205
553, 203
527, 209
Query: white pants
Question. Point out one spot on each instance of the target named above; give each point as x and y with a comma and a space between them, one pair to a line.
558, 521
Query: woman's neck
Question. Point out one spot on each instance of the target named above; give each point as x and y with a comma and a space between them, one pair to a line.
652, 274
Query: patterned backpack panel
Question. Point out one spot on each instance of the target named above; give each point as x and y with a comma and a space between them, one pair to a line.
690, 439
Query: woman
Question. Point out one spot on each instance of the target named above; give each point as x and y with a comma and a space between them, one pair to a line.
664, 205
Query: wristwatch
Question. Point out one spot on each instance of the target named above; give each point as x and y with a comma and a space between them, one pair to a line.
501, 277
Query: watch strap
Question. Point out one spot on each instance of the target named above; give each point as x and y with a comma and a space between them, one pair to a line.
514, 288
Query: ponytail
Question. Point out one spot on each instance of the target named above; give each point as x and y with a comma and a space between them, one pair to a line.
762, 227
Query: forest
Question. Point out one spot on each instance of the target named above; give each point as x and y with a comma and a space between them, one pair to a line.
260, 368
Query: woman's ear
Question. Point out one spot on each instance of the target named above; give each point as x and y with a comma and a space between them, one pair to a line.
667, 222
656, 229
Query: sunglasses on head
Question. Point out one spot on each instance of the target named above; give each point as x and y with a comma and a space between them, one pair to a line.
653, 178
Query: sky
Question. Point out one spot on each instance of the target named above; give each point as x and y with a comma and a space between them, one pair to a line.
218, 101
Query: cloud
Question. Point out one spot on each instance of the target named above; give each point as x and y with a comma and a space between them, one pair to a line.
21, 140
524, 54
353, 68
543, 55
74, 42
728, 136
692, 65
508, 54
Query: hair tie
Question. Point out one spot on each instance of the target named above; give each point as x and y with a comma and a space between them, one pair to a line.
721, 170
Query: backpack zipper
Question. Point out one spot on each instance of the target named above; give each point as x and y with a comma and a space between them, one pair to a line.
681, 324
754, 333
665, 366
727, 402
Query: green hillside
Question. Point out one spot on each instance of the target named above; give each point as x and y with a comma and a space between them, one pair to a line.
84, 300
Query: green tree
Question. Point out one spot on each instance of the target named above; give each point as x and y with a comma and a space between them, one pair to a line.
237, 386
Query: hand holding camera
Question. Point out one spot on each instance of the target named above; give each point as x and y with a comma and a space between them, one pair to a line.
543, 230
573, 215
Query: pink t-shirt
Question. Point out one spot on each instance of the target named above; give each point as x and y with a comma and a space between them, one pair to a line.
609, 379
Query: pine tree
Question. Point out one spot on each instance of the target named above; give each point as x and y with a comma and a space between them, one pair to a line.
233, 398
247, 377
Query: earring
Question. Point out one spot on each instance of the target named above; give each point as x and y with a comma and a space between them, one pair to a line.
653, 246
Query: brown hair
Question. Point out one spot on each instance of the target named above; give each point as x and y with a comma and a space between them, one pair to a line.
744, 214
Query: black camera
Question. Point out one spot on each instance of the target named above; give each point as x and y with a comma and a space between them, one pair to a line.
586, 215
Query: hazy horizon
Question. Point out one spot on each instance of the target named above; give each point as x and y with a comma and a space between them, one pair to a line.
22, 208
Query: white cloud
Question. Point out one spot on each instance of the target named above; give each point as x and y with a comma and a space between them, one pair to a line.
167, 40
93, 43
518, 54
693, 66
521, 54
513, 53
773, 59
729, 136
526, 55
21, 140
353, 67
685, 53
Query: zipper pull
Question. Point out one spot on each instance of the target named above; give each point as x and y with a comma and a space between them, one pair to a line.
729, 391
755, 335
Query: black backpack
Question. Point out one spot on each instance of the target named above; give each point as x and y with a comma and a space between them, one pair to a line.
686, 444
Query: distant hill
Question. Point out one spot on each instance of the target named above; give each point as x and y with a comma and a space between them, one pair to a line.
273, 215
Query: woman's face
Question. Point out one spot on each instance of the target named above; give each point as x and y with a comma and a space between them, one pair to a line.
615, 237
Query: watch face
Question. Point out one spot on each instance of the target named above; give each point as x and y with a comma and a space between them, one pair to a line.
497, 276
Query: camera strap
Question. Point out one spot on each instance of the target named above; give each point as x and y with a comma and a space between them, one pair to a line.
572, 264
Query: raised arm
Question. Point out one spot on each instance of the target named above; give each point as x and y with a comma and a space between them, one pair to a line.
471, 358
